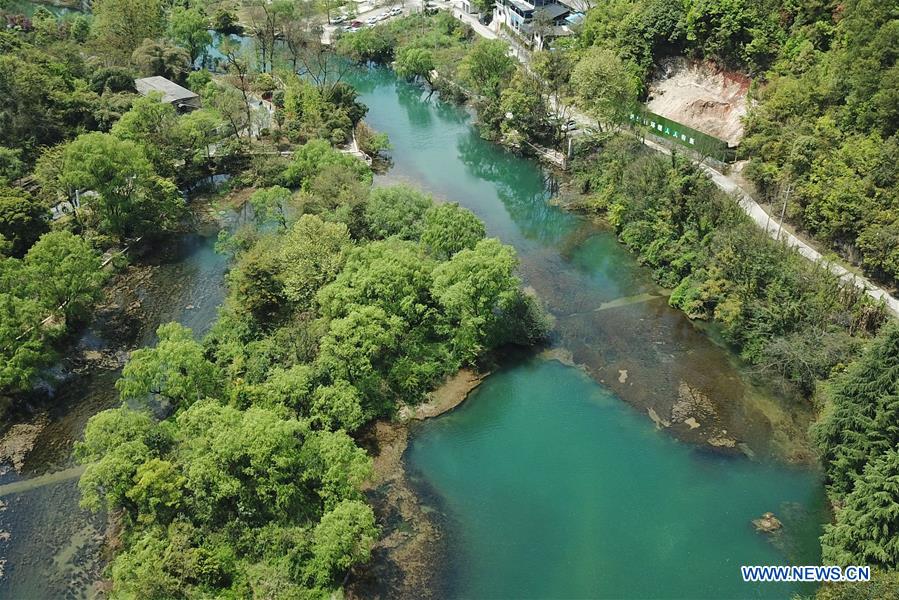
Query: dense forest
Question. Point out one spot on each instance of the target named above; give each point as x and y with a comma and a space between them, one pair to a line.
344, 303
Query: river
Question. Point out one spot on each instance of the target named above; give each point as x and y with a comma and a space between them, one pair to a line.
552, 480
53, 548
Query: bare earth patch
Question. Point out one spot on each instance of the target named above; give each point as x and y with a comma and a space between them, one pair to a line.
701, 95
19, 440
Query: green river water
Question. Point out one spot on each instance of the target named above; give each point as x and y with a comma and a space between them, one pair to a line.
547, 483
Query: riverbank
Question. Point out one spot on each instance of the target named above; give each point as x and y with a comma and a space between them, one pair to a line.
411, 542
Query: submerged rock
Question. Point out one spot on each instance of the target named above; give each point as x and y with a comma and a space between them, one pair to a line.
767, 523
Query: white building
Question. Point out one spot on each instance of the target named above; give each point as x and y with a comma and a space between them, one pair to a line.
537, 22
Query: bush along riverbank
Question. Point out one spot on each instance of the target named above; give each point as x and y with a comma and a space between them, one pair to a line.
344, 304
786, 316
792, 321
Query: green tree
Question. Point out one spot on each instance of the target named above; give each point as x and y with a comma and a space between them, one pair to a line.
112, 80
64, 273
121, 25
271, 204
488, 68
605, 87
866, 531
153, 124
23, 219
344, 537
359, 349
858, 424
158, 491
44, 99
448, 229
176, 369
243, 464
116, 442
311, 255
372, 44
129, 198
159, 58
189, 28
255, 281
22, 341
314, 157
338, 406
524, 108
11, 166
396, 210
412, 62
475, 287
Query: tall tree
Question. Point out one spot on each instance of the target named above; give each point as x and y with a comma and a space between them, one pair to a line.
866, 531
605, 87
176, 369
121, 25
23, 219
162, 59
125, 197
487, 68
189, 28
860, 422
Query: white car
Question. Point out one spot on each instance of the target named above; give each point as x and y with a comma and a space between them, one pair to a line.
384, 16
338, 19
396, 10
371, 20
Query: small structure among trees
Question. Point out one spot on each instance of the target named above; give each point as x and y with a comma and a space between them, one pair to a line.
181, 98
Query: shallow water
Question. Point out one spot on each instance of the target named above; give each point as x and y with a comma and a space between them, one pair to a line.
550, 485
53, 549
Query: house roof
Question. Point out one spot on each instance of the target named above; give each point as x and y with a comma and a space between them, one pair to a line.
171, 91
553, 11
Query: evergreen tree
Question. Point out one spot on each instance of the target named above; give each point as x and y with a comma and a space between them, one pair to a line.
862, 421
866, 531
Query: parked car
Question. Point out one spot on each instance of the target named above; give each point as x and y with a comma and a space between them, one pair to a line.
371, 20
569, 126
383, 16
396, 10
338, 20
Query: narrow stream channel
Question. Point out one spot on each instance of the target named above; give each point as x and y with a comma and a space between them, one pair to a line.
54, 548
550, 485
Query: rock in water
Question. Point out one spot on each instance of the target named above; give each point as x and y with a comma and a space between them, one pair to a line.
767, 523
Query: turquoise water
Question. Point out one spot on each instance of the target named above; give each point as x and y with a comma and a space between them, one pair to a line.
559, 491
551, 481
